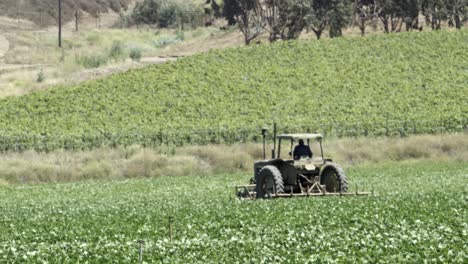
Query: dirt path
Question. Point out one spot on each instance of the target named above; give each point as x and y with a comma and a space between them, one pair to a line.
4, 47
111, 69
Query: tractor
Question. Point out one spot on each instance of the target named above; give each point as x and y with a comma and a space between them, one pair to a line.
312, 175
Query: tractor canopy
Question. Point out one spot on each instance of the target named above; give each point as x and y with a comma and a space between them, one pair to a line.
318, 137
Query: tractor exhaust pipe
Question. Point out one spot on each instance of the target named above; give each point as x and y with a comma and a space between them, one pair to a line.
273, 151
264, 131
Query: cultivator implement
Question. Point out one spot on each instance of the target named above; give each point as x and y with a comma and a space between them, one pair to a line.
247, 192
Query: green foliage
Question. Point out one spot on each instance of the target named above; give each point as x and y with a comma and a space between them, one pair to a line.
135, 54
92, 61
288, 20
340, 16
168, 14
418, 215
318, 18
147, 12
180, 35
381, 85
165, 13
40, 76
165, 40
117, 50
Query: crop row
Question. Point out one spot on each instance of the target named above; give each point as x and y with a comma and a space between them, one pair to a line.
377, 85
45, 143
101, 222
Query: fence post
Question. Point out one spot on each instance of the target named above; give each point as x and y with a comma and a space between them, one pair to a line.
140, 256
76, 20
386, 125
170, 228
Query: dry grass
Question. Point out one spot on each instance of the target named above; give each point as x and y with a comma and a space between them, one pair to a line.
135, 161
30, 51
429, 147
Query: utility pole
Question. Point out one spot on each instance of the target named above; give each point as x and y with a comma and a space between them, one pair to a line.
76, 20
60, 23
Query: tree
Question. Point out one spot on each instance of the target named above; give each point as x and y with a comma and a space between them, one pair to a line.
250, 19
435, 12
367, 12
333, 13
147, 12
231, 10
457, 11
319, 16
408, 10
390, 15
285, 19
340, 16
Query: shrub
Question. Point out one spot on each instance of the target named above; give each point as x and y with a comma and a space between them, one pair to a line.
165, 14
91, 61
165, 40
93, 38
180, 35
40, 76
117, 50
135, 54
146, 12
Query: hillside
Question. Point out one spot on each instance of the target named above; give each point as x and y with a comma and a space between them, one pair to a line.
379, 85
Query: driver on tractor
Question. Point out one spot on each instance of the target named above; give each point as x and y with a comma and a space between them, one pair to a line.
302, 150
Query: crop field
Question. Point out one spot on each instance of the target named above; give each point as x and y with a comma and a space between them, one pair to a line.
419, 215
380, 85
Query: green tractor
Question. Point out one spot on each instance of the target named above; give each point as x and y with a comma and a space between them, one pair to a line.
311, 175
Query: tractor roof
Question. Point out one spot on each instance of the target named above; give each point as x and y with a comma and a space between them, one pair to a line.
300, 136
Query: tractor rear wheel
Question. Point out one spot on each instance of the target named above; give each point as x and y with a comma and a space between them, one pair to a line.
269, 181
334, 178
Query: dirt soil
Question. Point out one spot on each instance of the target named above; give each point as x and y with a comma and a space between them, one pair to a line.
4, 47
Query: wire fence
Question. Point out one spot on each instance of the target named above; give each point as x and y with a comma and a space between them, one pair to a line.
219, 135
19, 20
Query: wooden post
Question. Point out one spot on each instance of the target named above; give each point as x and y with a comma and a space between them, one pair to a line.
60, 23
18, 19
76, 20
170, 228
140, 256
182, 22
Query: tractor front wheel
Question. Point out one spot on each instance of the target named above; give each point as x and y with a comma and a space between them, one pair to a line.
269, 181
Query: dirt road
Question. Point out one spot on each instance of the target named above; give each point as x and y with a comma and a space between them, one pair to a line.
4, 47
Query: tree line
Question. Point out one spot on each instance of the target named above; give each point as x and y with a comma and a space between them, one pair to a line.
287, 19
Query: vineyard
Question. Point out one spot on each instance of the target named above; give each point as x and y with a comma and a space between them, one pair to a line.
379, 85
97, 222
